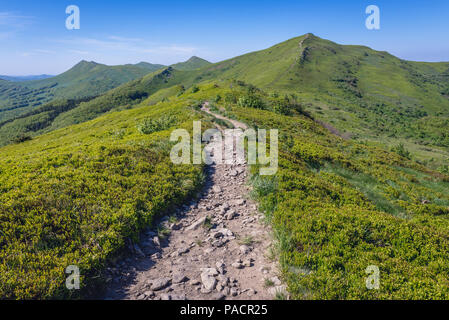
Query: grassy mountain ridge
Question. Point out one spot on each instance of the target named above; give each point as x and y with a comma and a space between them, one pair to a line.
336, 205
69, 217
191, 64
339, 206
16, 120
364, 94
25, 78
86, 79
124, 96
149, 66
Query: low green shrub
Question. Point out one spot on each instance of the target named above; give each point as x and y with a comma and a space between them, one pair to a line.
149, 125
402, 151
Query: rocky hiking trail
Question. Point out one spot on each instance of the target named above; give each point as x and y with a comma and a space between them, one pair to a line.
217, 248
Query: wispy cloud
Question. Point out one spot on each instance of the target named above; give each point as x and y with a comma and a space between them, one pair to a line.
125, 39
44, 51
11, 23
79, 52
173, 49
12, 19
110, 42
125, 44
37, 52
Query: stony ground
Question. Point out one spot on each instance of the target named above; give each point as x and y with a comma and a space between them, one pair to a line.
217, 248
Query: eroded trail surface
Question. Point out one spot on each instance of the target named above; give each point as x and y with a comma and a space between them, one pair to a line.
218, 248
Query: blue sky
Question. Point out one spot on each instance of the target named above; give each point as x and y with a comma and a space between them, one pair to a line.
34, 39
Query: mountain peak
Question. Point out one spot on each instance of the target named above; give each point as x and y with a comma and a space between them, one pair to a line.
149, 66
193, 58
85, 63
193, 63
84, 66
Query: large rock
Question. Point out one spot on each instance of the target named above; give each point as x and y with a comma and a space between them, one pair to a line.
209, 271
179, 277
160, 283
244, 249
196, 224
226, 232
240, 202
230, 215
209, 282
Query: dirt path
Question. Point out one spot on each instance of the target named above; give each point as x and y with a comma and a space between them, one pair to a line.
235, 123
217, 248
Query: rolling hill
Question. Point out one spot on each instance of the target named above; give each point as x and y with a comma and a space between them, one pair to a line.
191, 64
342, 199
25, 78
76, 194
358, 92
361, 93
86, 79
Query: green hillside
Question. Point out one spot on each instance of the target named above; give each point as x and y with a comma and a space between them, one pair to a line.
362, 93
59, 113
75, 195
338, 206
72, 196
363, 177
149, 66
86, 79
358, 92
65, 113
191, 64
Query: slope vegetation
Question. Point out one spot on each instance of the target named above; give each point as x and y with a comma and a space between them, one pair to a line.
86, 79
74, 195
191, 64
340, 206
363, 93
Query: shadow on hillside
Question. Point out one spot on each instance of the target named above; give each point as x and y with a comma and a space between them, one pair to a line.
140, 258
